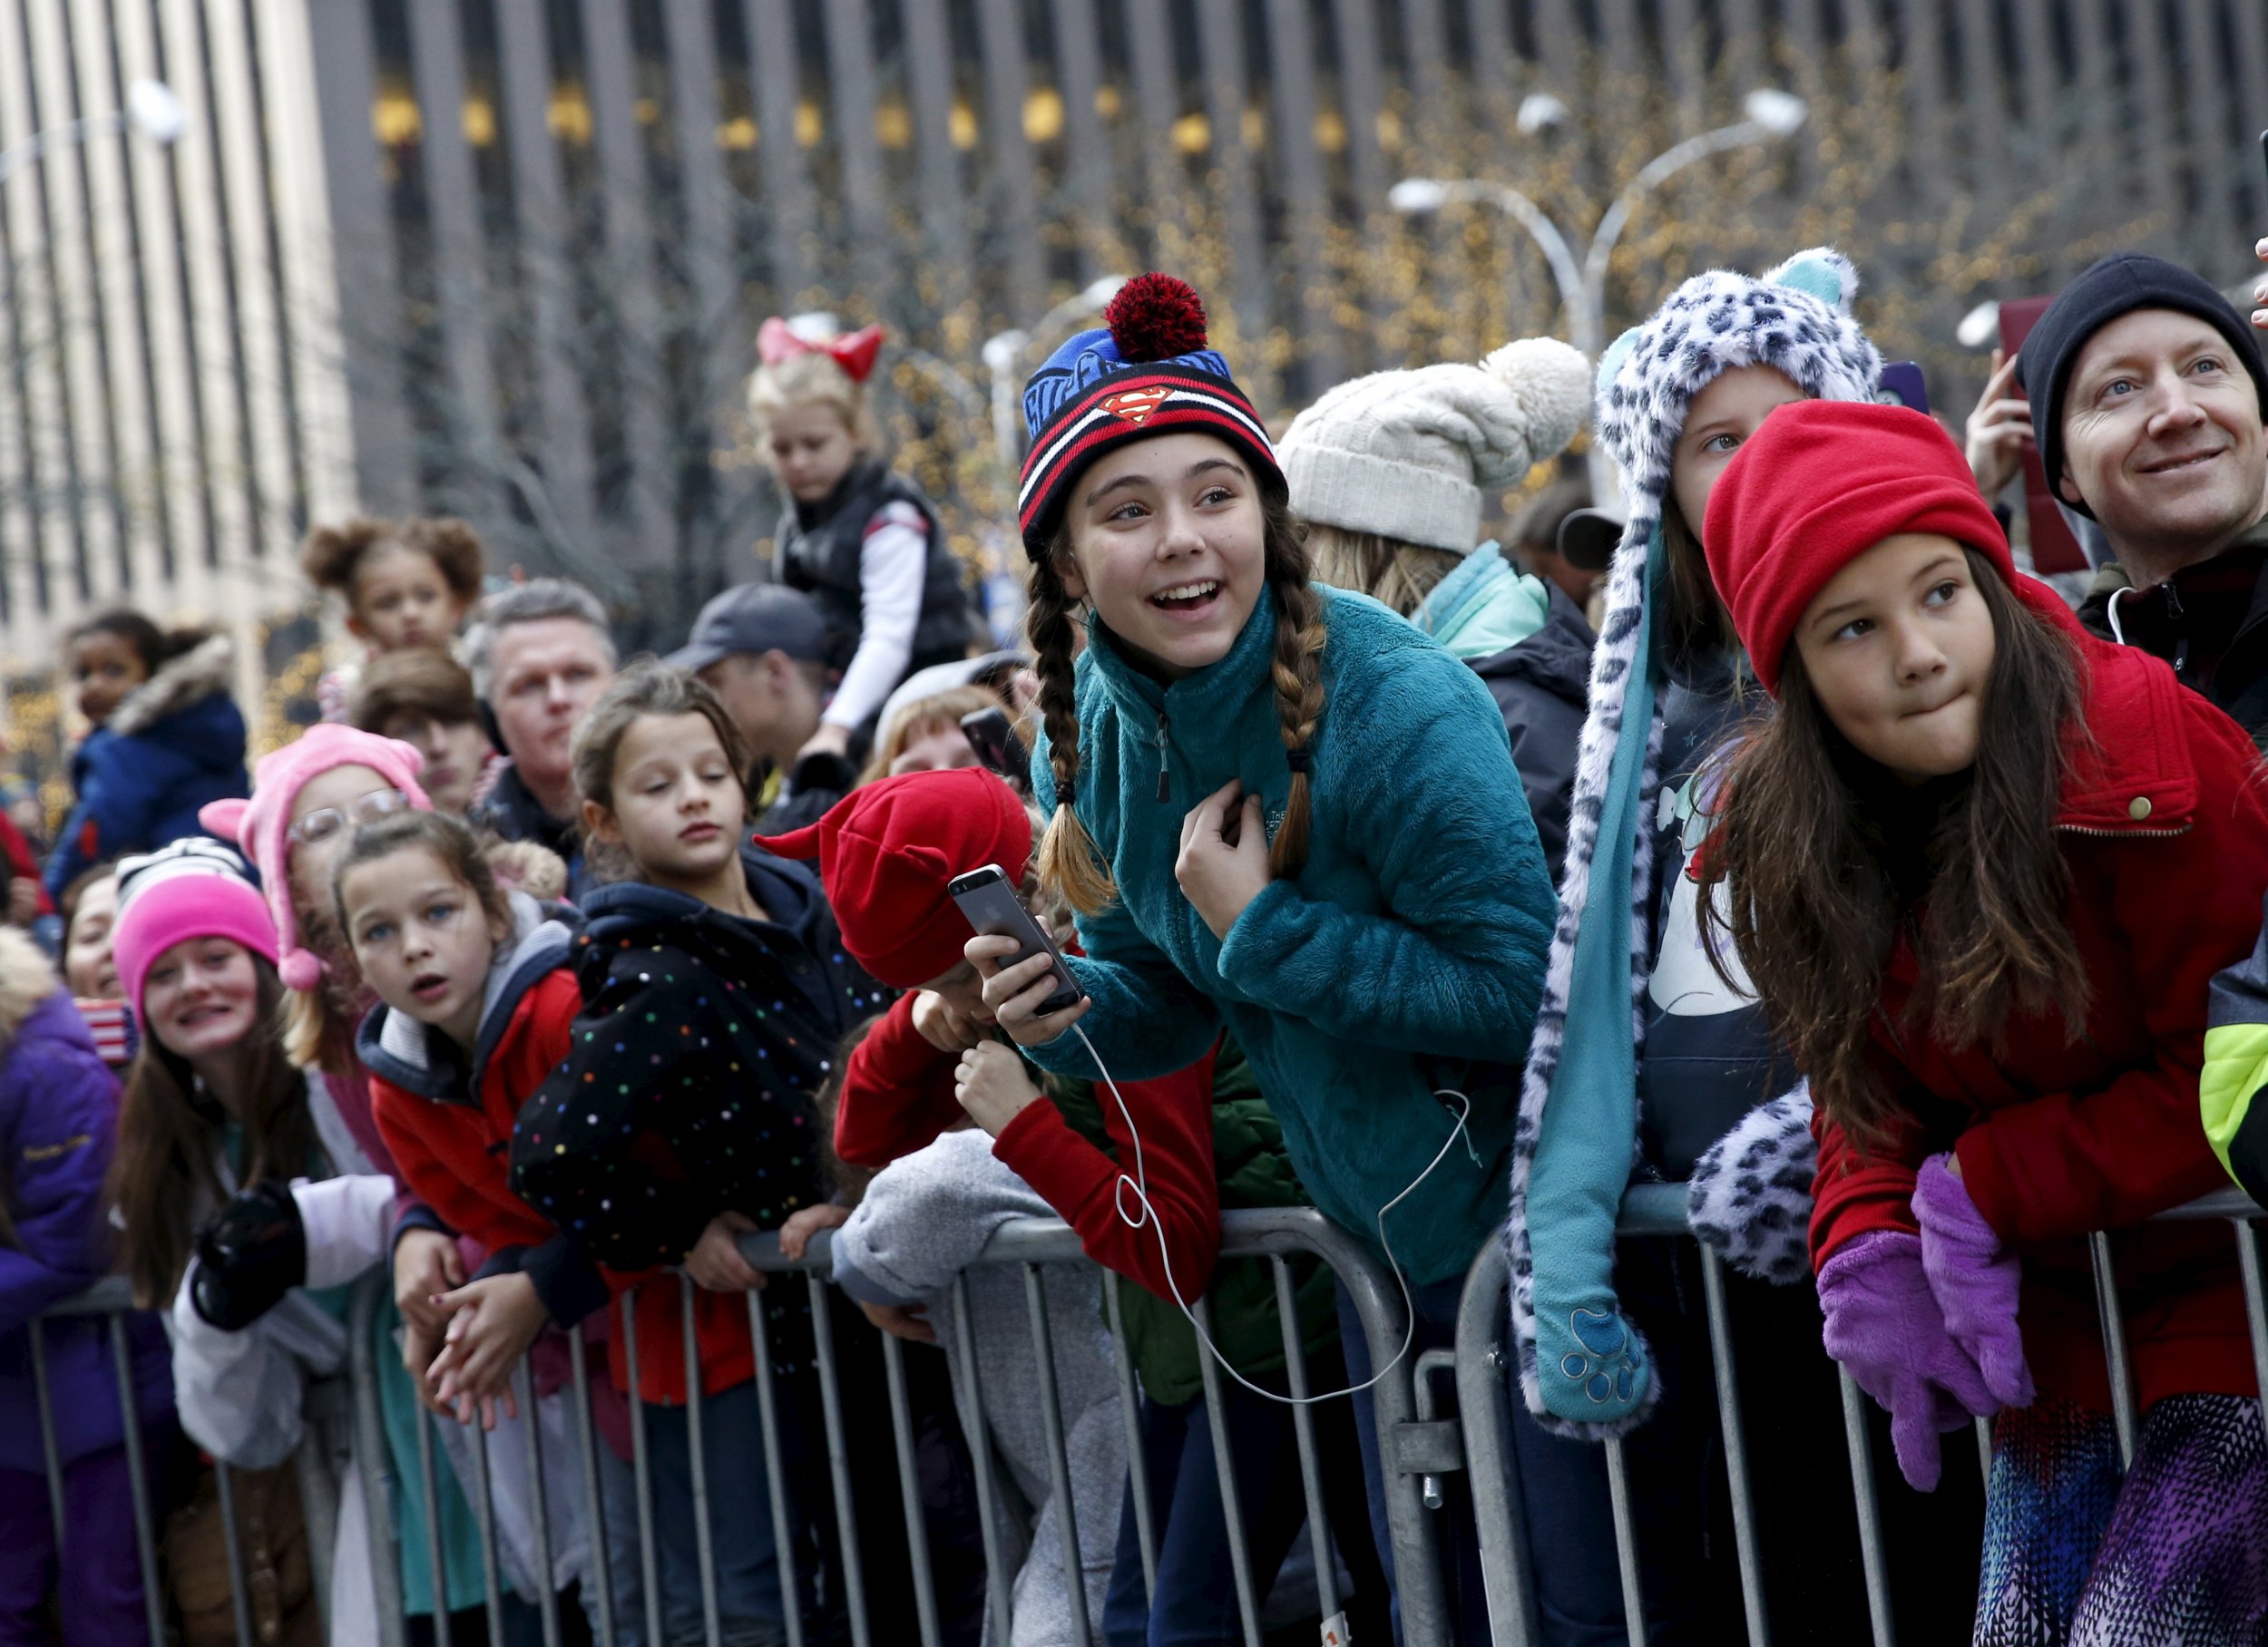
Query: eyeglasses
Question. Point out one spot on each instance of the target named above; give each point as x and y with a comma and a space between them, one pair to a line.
319, 826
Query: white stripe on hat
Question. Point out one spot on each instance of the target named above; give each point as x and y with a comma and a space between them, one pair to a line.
1178, 393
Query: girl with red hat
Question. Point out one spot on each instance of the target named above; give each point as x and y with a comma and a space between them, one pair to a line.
1987, 868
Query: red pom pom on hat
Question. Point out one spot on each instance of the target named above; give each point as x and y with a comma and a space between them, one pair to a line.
1156, 317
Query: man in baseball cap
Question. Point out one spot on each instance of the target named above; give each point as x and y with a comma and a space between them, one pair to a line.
2150, 393
762, 648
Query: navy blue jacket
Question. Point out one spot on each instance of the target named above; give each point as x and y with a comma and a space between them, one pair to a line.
175, 744
687, 1091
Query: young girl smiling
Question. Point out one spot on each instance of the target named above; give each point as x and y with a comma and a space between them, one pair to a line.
1987, 868
1272, 804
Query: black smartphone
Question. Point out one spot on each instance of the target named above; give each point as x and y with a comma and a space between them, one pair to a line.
992, 909
1903, 385
992, 736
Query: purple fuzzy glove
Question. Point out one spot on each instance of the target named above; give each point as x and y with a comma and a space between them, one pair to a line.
1976, 1280
1883, 1324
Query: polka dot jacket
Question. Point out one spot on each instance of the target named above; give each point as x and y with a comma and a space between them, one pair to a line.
688, 1088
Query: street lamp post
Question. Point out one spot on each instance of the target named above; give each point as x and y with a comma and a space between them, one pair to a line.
1003, 354
1582, 282
1004, 357
152, 109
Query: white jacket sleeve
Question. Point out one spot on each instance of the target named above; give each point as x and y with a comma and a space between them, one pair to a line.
349, 1223
238, 1393
893, 571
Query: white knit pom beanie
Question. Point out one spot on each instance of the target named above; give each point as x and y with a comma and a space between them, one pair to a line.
1408, 455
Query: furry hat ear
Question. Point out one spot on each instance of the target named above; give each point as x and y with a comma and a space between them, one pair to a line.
1617, 351
1819, 272
225, 819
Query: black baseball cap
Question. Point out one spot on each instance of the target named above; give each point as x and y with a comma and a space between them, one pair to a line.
750, 619
1589, 536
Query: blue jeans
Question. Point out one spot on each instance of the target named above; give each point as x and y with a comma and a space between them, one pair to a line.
749, 1600
1196, 1603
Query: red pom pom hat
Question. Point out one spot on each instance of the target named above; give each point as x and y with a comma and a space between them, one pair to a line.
1146, 371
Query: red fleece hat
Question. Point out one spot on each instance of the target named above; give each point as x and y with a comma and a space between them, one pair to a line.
1817, 486
885, 853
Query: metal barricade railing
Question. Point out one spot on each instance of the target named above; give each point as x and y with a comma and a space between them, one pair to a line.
327, 1408
1025, 1245
1276, 1235
1416, 1443
1485, 1390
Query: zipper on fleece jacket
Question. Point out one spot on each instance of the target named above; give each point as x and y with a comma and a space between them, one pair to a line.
2123, 835
1165, 784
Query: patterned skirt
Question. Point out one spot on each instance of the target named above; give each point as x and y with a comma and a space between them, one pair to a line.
2176, 1553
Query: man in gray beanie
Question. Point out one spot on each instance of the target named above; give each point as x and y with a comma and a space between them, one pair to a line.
2150, 393
1391, 473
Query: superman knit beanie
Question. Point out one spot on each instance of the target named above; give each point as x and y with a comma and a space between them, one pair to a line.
1146, 371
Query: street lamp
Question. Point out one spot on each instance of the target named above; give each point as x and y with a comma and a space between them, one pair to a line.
1770, 114
1979, 328
152, 109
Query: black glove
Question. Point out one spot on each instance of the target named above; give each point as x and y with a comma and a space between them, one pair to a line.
251, 1252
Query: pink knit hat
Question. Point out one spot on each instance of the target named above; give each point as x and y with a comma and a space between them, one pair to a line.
194, 888
261, 824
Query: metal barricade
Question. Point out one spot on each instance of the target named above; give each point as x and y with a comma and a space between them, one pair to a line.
1024, 1245
328, 1410
1485, 1390
1275, 1235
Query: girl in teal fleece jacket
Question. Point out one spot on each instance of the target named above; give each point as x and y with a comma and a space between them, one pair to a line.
1273, 804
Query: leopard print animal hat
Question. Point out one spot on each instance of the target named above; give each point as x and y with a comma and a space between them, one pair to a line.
1584, 1370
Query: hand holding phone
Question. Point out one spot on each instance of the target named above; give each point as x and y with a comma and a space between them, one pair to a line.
992, 736
1015, 954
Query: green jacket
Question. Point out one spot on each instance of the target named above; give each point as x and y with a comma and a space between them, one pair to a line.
1253, 1171
1405, 959
2237, 1070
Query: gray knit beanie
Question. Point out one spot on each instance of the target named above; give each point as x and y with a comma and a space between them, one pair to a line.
1409, 455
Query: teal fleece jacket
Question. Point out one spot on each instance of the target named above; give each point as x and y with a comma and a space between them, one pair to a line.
1406, 957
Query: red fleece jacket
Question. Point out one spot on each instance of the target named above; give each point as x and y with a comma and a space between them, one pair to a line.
456, 1158
897, 1097
2165, 825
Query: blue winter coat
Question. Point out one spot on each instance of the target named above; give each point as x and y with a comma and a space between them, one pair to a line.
175, 744
1406, 958
58, 1109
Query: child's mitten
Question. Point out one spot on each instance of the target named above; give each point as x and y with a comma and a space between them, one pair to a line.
250, 1253
1976, 1280
1883, 1324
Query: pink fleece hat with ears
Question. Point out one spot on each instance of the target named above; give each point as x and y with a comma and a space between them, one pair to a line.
261, 826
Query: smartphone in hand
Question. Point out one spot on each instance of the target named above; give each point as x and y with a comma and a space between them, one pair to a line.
990, 902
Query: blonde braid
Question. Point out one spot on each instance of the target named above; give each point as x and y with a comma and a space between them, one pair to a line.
1069, 865
1297, 672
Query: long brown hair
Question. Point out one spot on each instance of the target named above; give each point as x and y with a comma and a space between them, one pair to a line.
1389, 570
1830, 863
1069, 865
161, 1177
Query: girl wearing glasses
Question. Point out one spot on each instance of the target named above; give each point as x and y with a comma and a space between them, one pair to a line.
307, 798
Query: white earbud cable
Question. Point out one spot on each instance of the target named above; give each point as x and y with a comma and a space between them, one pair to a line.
1139, 1185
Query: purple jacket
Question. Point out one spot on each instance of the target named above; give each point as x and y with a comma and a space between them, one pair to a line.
58, 1110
